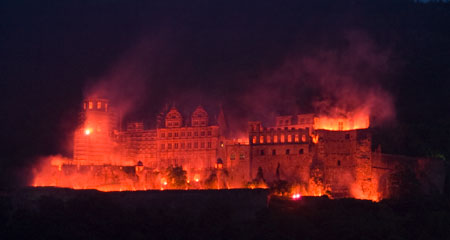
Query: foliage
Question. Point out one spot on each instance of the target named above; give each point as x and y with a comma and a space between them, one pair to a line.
176, 177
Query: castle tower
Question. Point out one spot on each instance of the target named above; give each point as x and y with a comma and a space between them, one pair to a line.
93, 139
222, 122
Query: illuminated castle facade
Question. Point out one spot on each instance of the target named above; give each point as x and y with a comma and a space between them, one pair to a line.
304, 149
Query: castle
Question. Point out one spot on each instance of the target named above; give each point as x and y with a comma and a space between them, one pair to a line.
319, 154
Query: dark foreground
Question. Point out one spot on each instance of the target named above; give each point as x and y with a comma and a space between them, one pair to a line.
48, 213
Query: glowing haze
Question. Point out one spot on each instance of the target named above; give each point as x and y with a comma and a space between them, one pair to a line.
340, 86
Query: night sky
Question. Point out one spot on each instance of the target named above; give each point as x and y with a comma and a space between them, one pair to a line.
256, 59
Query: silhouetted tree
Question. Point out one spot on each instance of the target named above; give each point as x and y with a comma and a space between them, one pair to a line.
176, 176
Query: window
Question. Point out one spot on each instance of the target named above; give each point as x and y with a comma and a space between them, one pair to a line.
182, 134
286, 122
189, 134
281, 122
268, 139
261, 139
170, 124
169, 134
169, 146
282, 138
209, 144
232, 156
241, 156
106, 107
163, 135
175, 146
84, 106
196, 134
189, 145
300, 151
202, 145
175, 134
209, 133
254, 139
195, 123
274, 152
262, 152
162, 146
303, 138
288, 151
182, 145
275, 139
196, 145
289, 138
90, 105
203, 123
202, 133
339, 162
296, 138
99, 105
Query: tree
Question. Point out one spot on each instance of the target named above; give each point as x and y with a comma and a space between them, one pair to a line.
176, 177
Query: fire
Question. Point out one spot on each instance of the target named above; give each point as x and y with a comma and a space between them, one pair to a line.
87, 131
345, 123
109, 159
296, 196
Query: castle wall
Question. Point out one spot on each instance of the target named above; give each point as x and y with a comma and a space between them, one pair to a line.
287, 149
342, 161
346, 159
237, 162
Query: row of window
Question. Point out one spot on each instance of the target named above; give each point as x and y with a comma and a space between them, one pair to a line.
269, 139
195, 123
91, 105
188, 134
241, 156
185, 145
175, 124
286, 122
288, 151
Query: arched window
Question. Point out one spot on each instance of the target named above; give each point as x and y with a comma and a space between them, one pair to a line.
300, 151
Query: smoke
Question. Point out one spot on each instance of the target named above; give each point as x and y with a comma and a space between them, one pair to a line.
129, 80
342, 81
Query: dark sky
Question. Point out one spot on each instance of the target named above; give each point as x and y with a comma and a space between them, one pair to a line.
258, 59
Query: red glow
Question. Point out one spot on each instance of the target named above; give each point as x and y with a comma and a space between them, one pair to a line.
87, 131
296, 196
358, 121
